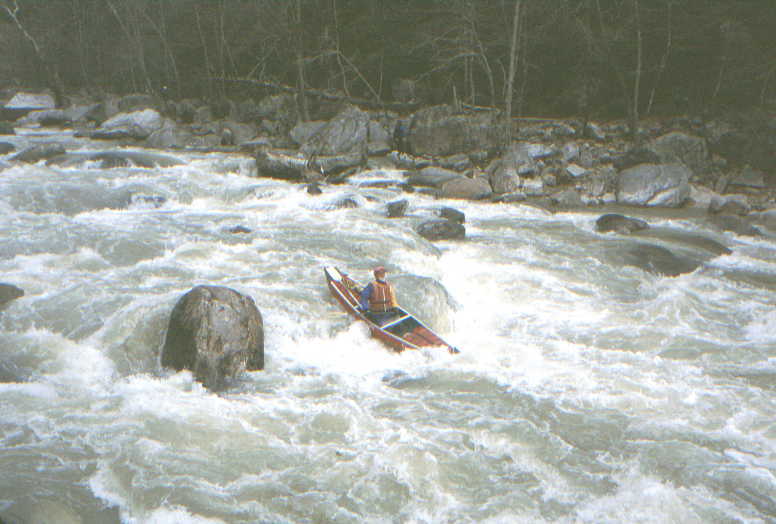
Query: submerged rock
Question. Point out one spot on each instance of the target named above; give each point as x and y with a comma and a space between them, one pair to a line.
112, 159
39, 152
216, 333
619, 223
658, 260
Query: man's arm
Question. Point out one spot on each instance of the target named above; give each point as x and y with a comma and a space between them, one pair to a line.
363, 301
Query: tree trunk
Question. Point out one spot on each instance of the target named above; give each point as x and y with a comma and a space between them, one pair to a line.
301, 87
52, 77
634, 113
511, 78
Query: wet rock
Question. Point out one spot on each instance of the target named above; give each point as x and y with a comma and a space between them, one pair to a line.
332, 165
654, 185
728, 206
314, 189
432, 177
215, 332
466, 188
288, 166
408, 161
6, 148
147, 201
568, 198
113, 159
6, 128
658, 260
735, 224
397, 208
453, 215
239, 230
9, 292
517, 162
39, 152
441, 229
619, 224
458, 163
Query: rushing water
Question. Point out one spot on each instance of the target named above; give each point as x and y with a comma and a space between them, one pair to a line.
586, 391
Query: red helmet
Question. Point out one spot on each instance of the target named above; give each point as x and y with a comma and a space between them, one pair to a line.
379, 270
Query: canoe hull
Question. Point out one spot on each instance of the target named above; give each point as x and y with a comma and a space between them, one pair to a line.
403, 332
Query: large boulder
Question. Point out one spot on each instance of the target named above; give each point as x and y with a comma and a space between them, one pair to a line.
137, 125
664, 185
216, 333
348, 132
9, 292
441, 229
466, 188
681, 148
440, 131
31, 101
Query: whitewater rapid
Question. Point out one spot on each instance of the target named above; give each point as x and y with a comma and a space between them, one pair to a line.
586, 390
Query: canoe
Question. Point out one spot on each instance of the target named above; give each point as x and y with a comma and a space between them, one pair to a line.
401, 332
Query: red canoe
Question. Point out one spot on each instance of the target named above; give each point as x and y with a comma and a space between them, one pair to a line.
402, 332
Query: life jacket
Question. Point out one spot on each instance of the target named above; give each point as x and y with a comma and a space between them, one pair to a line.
382, 298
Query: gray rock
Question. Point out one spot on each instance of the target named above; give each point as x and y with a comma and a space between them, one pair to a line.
397, 208
441, 229
678, 147
619, 223
729, 206
345, 133
9, 292
440, 131
452, 214
734, 224
635, 157
31, 101
749, 178
456, 162
654, 185
39, 152
658, 260
215, 332
113, 159
6, 148
138, 125
432, 177
6, 128
304, 131
466, 188
407, 161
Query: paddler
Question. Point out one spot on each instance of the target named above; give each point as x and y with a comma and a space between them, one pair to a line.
378, 300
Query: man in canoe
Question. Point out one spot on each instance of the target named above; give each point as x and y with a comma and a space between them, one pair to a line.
378, 300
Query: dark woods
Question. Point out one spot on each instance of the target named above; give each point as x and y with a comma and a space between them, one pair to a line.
585, 58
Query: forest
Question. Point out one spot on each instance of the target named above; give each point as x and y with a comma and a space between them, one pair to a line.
532, 58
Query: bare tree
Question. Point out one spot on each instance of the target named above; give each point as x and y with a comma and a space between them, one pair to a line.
511, 75
11, 7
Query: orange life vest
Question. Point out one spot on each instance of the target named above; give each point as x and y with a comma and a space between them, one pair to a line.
382, 298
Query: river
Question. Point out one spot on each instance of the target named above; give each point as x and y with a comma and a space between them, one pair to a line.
585, 390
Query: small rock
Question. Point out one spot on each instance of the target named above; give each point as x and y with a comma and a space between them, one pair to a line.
452, 214
397, 208
619, 223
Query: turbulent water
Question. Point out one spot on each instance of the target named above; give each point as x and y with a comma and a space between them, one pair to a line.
585, 391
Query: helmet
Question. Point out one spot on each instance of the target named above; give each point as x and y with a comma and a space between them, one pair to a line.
379, 270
